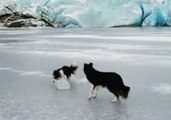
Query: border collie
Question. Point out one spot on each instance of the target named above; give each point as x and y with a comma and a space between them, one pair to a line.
111, 80
64, 72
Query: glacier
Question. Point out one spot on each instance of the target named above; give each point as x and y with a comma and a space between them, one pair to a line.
85, 13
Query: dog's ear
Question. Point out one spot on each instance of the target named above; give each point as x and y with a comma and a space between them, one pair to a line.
91, 64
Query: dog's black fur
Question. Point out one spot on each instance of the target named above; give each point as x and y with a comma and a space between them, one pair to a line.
67, 70
111, 80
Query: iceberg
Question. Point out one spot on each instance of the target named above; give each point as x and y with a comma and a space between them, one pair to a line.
90, 13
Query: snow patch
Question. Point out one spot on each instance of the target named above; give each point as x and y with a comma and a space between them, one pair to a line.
163, 88
5, 68
28, 73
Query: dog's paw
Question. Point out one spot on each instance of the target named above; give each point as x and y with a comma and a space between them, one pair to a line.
94, 96
89, 98
114, 100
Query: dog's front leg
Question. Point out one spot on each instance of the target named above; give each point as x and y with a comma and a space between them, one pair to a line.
91, 92
115, 99
62, 74
96, 91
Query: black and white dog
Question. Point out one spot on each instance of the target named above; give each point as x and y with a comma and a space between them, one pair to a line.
111, 80
64, 72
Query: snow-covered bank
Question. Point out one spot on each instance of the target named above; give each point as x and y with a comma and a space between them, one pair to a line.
85, 13
29, 56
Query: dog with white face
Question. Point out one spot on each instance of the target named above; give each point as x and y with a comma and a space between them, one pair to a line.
62, 76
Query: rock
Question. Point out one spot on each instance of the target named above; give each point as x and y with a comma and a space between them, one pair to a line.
17, 23
25, 23
4, 17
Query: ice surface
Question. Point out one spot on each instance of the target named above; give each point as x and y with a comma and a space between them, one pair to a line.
142, 56
163, 88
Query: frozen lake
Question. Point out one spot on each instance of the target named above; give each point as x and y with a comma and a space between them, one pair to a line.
28, 57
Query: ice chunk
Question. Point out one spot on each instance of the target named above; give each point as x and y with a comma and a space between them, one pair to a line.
62, 84
31, 11
8, 8
146, 11
99, 15
55, 17
160, 16
156, 18
71, 26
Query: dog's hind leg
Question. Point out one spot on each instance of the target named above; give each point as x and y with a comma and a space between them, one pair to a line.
114, 99
116, 94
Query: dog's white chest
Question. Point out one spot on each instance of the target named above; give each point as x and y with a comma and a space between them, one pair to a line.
62, 84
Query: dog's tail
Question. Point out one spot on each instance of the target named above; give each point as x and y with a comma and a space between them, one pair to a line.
125, 91
73, 68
